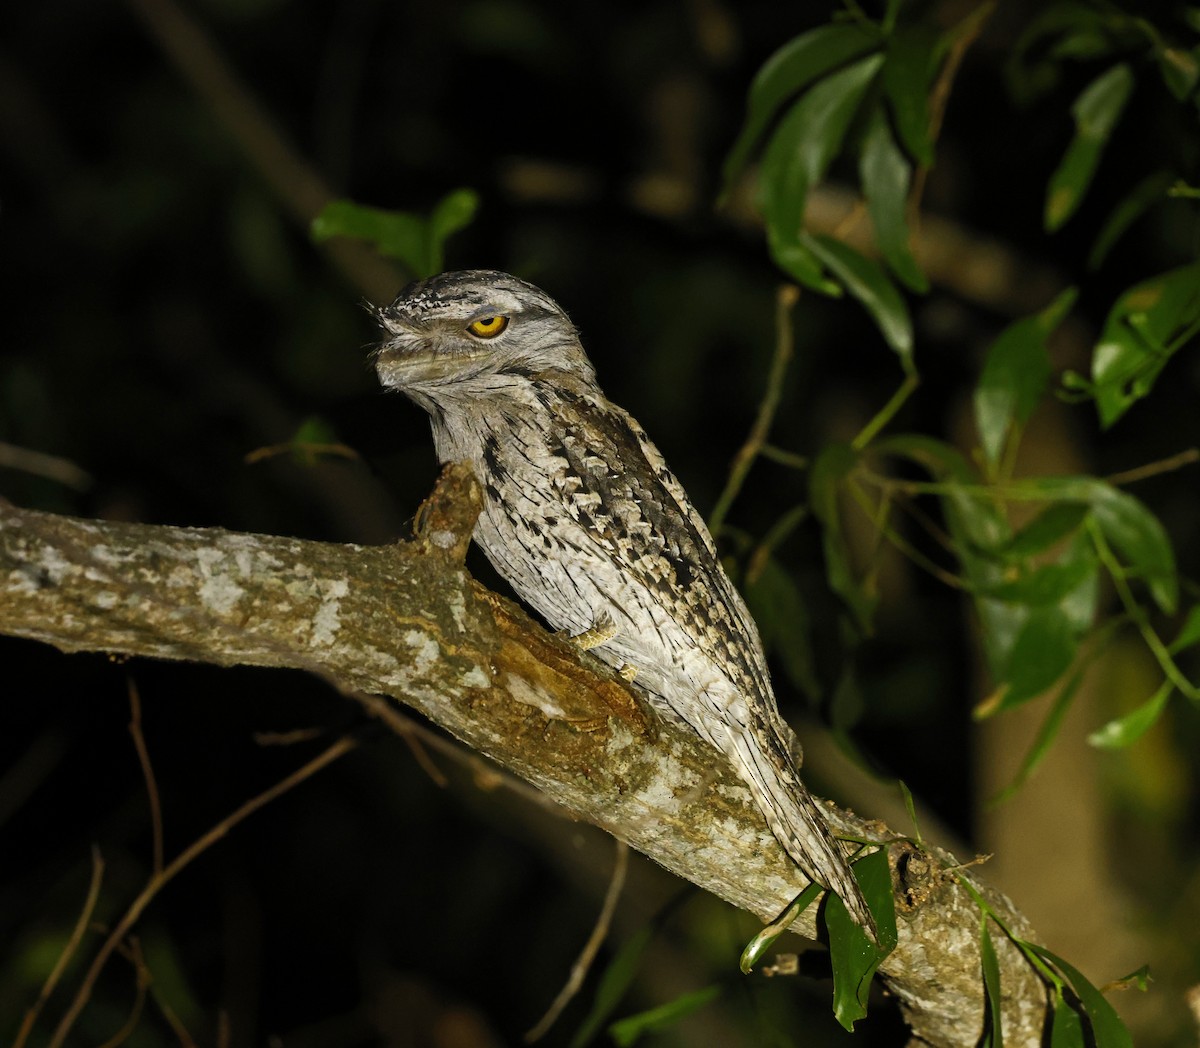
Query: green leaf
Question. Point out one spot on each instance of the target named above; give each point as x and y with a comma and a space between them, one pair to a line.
913, 57
993, 1035
1149, 191
315, 430
1126, 730
1189, 632
1096, 112
315, 437
801, 264
1046, 735
973, 516
977, 526
1066, 1029
399, 234
977, 529
1145, 327
1070, 581
853, 956
1044, 650
867, 282
455, 211
1046, 584
1180, 70
910, 806
1080, 604
830, 468
620, 974
1139, 979
790, 70
1074, 382
1141, 539
1048, 528
414, 240
886, 174
1015, 375
1073, 29
890, 13
874, 876
808, 138
1137, 534
765, 939
1107, 1029
855, 959
622, 970
1181, 190
629, 1031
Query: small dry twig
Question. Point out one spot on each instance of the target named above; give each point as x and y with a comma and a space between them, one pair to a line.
1188, 457
42, 465
587, 955
967, 32
786, 299
161, 878
134, 955
139, 742
68, 951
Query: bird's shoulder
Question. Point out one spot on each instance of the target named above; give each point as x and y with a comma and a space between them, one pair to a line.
615, 467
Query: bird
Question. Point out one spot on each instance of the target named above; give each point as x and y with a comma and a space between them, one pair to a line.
585, 521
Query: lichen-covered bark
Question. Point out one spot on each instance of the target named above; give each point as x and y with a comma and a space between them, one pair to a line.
406, 621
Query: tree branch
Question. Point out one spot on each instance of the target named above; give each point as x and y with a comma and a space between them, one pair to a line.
408, 622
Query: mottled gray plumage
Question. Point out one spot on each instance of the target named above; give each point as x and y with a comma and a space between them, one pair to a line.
585, 521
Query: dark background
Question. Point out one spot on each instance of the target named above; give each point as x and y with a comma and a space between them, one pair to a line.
164, 315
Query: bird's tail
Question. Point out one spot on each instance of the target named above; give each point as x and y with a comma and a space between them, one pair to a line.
767, 767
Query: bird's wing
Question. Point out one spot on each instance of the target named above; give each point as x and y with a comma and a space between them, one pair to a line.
650, 528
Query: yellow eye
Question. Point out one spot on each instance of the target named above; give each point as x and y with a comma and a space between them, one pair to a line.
487, 327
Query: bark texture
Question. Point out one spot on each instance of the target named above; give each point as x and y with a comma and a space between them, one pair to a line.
407, 622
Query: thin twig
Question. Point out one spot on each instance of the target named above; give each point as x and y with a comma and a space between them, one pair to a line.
409, 731
903, 545
787, 298
142, 974
68, 951
168, 1013
293, 737
159, 880
299, 447
421, 755
1026, 489
42, 465
852, 217
1137, 614
888, 411
1153, 469
779, 531
924, 521
423, 739
587, 955
139, 743
967, 32
784, 457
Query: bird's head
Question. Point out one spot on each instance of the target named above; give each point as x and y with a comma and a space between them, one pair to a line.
475, 334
